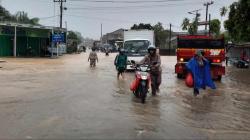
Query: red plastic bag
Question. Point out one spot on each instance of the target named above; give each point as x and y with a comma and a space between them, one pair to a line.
189, 80
134, 85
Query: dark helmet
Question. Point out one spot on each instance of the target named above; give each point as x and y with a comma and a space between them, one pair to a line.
151, 48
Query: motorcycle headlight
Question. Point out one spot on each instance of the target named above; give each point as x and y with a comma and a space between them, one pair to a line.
144, 77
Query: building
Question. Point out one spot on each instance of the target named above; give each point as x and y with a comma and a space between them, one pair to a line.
26, 40
113, 37
235, 50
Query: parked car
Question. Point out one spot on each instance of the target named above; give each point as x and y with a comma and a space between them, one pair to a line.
240, 63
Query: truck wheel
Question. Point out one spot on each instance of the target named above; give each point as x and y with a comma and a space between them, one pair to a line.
180, 76
219, 77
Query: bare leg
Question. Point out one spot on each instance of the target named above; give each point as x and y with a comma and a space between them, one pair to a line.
118, 75
123, 77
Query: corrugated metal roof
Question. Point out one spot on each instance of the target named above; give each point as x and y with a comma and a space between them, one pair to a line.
32, 26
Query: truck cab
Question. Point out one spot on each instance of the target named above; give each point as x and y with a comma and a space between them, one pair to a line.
136, 43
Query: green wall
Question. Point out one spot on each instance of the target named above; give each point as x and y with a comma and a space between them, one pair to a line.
6, 46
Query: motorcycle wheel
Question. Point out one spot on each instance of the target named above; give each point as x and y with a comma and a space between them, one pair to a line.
136, 93
143, 93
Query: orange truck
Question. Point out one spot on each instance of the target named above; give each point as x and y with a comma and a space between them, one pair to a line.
214, 50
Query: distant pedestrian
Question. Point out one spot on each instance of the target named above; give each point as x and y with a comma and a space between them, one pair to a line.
93, 58
121, 63
200, 68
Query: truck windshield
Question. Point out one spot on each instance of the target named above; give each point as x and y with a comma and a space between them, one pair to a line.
200, 43
136, 46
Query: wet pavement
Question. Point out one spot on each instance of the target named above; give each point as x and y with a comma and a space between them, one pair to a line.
63, 98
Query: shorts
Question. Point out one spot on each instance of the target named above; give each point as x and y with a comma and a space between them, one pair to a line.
121, 70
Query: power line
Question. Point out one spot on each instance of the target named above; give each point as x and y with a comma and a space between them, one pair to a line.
44, 18
140, 6
115, 20
100, 18
128, 7
125, 1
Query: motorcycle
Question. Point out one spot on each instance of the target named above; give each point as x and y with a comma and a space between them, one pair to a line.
141, 84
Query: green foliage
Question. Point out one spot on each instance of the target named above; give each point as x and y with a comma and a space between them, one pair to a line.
161, 35
215, 26
191, 27
74, 39
141, 26
223, 11
238, 24
76, 36
185, 24
19, 17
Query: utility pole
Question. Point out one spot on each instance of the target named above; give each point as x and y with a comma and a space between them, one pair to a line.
101, 33
15, 40
207, 4
61, 10
61, 13
170, 36
209, 24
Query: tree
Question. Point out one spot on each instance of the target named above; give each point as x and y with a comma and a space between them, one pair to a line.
185, 24
19, 17
238, 23
191, 27
223, 12
141, 26
160, 35
76, 36
215, 26
74, 39
22, 17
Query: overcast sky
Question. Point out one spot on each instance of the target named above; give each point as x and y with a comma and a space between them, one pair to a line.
86, 16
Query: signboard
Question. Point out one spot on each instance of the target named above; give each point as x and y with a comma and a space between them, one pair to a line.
58, 38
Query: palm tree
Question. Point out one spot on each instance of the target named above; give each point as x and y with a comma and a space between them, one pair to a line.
185, 24
223, 12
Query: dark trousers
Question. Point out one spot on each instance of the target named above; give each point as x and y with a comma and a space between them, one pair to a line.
155, 82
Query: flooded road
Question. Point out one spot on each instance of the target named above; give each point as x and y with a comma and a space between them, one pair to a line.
65, 99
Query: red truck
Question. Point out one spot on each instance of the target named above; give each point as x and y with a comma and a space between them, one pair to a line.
214, 50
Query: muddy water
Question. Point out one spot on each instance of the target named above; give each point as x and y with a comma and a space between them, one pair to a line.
63, 98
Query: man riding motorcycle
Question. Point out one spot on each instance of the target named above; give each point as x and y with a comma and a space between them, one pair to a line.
154, 60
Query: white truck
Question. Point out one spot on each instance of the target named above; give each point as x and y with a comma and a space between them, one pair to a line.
136, 43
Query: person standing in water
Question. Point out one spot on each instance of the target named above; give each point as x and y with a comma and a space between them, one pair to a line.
93, 58
121, 63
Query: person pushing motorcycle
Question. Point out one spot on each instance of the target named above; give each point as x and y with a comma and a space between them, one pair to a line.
154, 60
